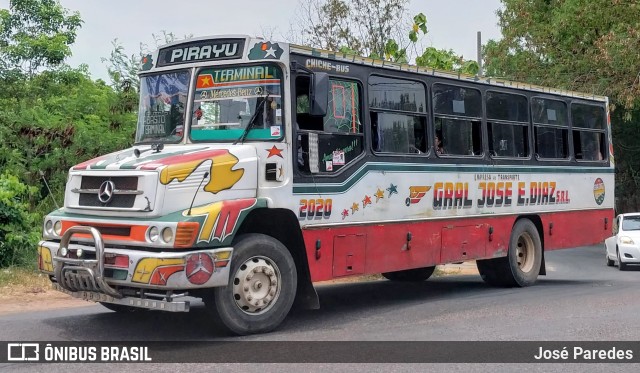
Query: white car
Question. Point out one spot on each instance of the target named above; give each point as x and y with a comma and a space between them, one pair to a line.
624, 246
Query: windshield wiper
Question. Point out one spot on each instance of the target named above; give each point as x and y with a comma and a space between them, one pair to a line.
253, 119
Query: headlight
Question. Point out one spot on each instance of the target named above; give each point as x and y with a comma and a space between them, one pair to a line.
57, 228
626, 240
167, 235
153, 234
48, 226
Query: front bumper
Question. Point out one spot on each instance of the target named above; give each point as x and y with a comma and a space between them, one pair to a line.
629, 253
130, 277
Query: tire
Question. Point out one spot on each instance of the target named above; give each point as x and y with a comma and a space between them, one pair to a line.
491, 271
610, 262
621, 266
122, 308
262, 287
522, 264
410, 275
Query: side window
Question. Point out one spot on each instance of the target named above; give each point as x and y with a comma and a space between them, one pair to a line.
589, 132
398, 115
458, 113
550, 121
343, 113
507, 124
327, 144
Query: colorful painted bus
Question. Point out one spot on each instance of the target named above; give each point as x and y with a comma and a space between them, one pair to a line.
261, 167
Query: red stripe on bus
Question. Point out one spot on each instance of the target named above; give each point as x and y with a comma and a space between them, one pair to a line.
377, 248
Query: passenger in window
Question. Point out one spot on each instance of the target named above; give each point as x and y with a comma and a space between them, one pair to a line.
438, 143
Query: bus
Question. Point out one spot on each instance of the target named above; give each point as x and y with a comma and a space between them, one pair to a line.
261, 167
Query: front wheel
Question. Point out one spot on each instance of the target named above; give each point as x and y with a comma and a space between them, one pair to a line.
410, 275
261, 288
621, 266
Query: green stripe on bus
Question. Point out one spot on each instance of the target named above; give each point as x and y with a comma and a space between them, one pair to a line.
431, 168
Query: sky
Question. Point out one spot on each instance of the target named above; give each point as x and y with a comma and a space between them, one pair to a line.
452, 24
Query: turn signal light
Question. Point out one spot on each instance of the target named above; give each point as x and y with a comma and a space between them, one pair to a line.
186, 234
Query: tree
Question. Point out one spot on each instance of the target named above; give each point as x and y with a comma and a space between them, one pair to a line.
581, 45
123, 68
375, 28
53, 116
35, 34
364, 26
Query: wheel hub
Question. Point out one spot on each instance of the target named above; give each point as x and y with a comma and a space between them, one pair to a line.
256, 285
525, 253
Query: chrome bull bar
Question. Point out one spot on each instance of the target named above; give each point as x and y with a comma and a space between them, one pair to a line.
82, 274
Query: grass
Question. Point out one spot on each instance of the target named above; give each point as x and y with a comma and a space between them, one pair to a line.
19, 280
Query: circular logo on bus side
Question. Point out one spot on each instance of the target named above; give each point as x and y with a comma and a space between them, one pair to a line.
598, 191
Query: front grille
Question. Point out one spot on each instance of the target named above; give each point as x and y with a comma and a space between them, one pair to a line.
90, 186
118, 200
121, 182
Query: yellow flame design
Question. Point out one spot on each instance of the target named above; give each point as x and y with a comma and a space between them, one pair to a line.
221, 177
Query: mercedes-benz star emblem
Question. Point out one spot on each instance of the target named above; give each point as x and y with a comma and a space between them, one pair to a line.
106, 191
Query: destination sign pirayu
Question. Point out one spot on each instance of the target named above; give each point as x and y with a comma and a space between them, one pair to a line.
202, 50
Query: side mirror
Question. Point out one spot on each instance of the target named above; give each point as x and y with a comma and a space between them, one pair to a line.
319, 94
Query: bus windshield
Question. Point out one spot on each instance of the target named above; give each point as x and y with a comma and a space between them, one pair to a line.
227, 98
163, 98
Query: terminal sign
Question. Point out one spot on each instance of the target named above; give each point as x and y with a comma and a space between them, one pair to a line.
204, 50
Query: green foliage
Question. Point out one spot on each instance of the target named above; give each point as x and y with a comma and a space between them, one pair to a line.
576, 44
364, 26
419, 24
53, 117
441, 59
35, 34
19, 229
374, 28
582, 45
446, 60
123, 68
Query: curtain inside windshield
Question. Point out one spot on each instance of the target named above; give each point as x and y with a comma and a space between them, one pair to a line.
227, 98
163, 98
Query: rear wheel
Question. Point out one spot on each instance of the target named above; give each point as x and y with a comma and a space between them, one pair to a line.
261, 288
491, 270
410, 275
522, 264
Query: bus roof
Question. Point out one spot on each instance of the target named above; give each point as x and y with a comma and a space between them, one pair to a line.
321, 53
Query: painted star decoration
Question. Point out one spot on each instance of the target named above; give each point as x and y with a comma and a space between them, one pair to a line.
270, 52
345, 213
205, 80
274, 151
355, 207
379, 194
392, 189
366, 201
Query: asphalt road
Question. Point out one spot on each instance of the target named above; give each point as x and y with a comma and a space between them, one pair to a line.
580, 299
